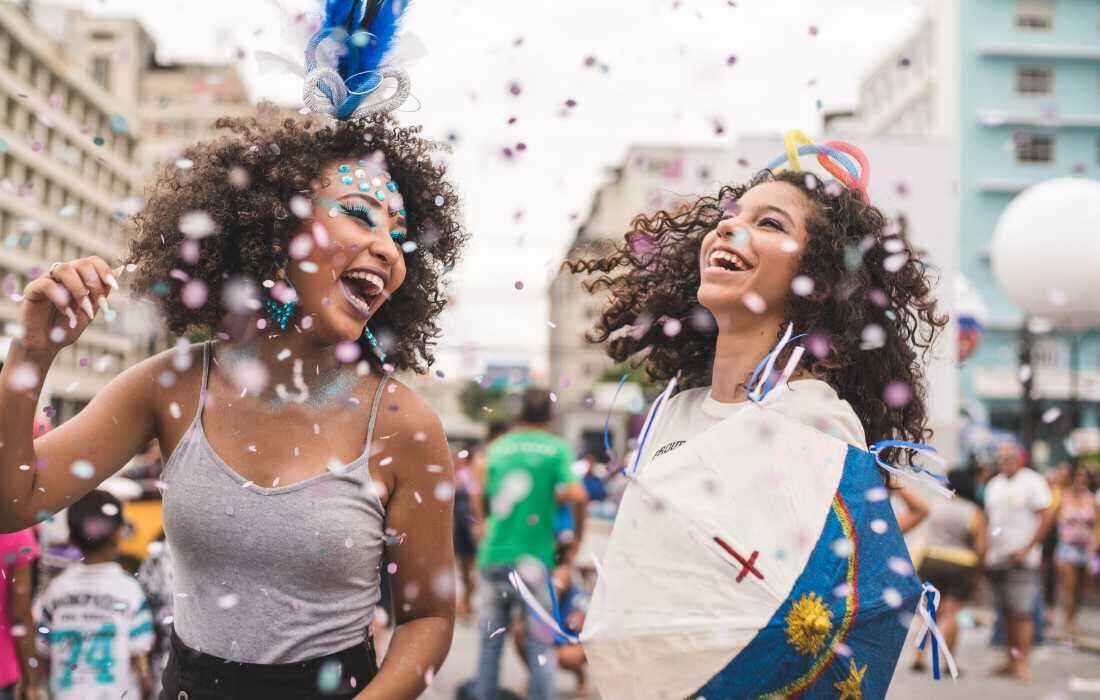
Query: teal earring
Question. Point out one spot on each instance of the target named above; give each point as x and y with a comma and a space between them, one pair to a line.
375, 345
280, 312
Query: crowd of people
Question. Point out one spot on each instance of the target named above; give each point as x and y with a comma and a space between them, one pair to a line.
1033, 538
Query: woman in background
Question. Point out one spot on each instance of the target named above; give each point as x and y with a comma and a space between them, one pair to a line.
1078, 540
956, 540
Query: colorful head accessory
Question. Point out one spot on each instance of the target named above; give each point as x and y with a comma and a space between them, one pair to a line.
835, 156
352, 57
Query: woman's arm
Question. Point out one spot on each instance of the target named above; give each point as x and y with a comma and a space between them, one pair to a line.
45, 475
419, 522
980, 531
38, 476
916, 509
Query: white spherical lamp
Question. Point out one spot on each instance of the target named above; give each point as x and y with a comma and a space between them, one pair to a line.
1046, 251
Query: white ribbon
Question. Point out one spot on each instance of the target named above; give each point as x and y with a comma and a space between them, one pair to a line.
929, 626
926, 450
650, 420
533, 603
758, 393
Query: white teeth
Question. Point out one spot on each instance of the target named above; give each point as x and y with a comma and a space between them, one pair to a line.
735, 261
360, 304
368, 277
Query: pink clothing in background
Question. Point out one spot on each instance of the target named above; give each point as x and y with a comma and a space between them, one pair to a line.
17, 551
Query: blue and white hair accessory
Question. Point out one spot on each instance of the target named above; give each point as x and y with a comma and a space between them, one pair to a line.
353, 60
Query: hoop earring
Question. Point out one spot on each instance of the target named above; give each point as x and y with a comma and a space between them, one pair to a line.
374, 344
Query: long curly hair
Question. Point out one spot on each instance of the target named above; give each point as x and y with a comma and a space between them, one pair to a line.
870, 318
245, 179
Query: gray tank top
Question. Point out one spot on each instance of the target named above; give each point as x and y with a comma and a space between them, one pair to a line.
270, 575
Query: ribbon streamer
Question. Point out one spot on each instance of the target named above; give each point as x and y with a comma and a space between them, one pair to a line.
650, 420
554, 622
607, 421
929, 603
935, 480
764, 369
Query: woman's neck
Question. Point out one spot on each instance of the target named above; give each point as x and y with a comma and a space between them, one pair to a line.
290, 358
739, 349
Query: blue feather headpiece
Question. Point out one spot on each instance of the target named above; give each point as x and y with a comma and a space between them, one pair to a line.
345, 59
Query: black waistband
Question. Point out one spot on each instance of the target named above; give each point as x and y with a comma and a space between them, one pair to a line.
202, 676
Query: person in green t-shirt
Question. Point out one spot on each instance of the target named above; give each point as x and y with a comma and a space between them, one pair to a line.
529, 475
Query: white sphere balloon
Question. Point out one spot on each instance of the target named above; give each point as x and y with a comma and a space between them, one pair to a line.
1046, 251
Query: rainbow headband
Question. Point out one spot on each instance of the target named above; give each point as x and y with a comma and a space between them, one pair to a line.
843, 160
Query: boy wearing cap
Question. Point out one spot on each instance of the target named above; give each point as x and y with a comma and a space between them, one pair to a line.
94, 622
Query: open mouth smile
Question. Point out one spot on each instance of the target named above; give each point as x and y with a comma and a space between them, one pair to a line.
727, 260
361, 286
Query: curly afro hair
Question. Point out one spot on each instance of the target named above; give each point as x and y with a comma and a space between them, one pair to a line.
244, 181
865, 273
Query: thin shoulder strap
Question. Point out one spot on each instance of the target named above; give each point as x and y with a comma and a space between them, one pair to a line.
374, 412
206, 352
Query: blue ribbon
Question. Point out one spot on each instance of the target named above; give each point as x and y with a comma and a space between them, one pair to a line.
915, 468
760, 368
935, 643
607, 421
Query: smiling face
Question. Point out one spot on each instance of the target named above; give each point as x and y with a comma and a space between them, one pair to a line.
748, 261
342, 281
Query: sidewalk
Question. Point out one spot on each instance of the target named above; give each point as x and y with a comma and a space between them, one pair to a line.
1060, 672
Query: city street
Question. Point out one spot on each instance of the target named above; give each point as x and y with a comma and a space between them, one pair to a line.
1060, 672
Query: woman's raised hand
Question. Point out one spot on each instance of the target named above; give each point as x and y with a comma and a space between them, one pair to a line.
60, 304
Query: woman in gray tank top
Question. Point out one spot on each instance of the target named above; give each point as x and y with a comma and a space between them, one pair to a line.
311, 252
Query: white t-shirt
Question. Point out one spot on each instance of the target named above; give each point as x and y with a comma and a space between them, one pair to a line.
1014, 507
808, 401
91, 619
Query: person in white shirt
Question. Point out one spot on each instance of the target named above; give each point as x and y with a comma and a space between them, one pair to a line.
1018, 503
95, 627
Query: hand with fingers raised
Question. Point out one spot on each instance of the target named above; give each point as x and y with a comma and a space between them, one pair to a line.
59, 305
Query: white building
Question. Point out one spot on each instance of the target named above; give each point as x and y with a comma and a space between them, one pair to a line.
86, 116
913, 89
651, 178
66, 168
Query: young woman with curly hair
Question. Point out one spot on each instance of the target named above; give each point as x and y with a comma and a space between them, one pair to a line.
295, 460
706, 291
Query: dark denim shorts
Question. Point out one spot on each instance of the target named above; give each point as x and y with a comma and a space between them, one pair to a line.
193, 675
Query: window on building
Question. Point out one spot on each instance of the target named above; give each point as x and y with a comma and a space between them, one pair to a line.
1098, 150
101, 71
1034, 80
1034, 14
1035, 148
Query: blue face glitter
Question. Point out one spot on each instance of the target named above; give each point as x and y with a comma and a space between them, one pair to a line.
380, 195
345, 168
391, 186
364, 187
346, 179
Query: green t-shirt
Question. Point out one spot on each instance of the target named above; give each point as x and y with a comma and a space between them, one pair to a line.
525, 469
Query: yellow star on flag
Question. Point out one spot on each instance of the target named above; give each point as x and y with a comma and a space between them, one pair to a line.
850, 686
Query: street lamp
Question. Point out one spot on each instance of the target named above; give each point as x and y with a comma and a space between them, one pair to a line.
1046, 259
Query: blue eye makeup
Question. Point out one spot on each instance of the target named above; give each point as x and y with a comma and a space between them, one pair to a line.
361, 212
398, 235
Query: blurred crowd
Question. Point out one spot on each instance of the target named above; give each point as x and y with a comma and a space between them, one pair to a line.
76, 609
1022, 541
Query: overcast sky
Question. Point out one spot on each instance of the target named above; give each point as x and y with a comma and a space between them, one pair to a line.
668, 79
